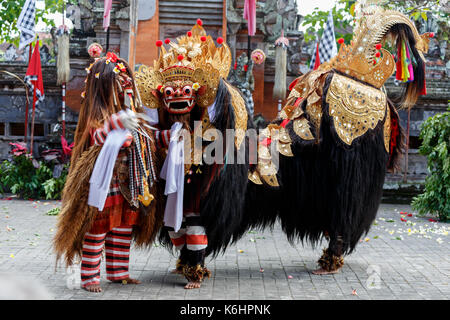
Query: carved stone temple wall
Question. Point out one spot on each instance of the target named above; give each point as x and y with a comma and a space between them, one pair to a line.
87, 18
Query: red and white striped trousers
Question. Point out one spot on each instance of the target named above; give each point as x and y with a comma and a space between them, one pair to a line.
117, 251
192, 234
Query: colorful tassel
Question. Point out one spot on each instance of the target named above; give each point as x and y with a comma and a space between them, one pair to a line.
399, 74
405, 70
404, 58
410, 66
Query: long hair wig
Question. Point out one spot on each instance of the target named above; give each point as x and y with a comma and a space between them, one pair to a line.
100, 102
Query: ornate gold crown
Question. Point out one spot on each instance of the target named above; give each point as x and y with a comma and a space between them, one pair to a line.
358, 59
193, 57
356, 65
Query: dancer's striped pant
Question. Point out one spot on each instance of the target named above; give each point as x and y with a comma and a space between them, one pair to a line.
117, 251
192, 234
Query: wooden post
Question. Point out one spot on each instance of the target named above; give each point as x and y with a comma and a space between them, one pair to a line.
224, 21
27, 107
63, 109
405, 174
107, 40
32, 118
132, 34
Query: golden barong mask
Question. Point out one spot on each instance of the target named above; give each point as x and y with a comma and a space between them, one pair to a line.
364, 58
186, 73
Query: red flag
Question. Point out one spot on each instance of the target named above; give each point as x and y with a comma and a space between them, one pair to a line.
34, 80
317, 62
33, 76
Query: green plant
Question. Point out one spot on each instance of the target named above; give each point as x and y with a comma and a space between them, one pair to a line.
20, 177
10, 11
435, 134
315, 22
53, 187
31, 179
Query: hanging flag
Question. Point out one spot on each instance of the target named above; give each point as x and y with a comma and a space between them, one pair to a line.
26, 22
315, 61
106, 13
250, 16
327, 46
33, 77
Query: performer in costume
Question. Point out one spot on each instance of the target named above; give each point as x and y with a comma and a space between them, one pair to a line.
187, 86
107, 198
337, 136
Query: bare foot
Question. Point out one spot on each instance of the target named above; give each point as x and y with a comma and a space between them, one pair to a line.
93, 288
193, 285
322, 271
127, 281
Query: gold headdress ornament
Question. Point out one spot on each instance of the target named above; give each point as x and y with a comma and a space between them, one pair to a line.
358, 59
193, 58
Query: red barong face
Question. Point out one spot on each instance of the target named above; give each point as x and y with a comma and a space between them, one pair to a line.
179, 97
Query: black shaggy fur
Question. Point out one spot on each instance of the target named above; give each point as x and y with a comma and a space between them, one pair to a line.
327, 188
222, 208
223, 186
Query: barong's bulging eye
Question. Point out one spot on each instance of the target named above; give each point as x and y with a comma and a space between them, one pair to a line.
169, 92
187, 90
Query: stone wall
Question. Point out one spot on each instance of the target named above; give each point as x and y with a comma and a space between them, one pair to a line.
13, 107
87, 18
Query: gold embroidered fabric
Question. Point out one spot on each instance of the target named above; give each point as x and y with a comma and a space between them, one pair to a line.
308, 87
266, 169
302, 129
354, 107
387, 130
315, 115
240, 114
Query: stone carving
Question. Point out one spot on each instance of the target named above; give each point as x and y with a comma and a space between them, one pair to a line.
244, 80
12, 55
278, 14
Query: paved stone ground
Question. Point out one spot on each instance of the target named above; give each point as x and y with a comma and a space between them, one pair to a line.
391, 263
